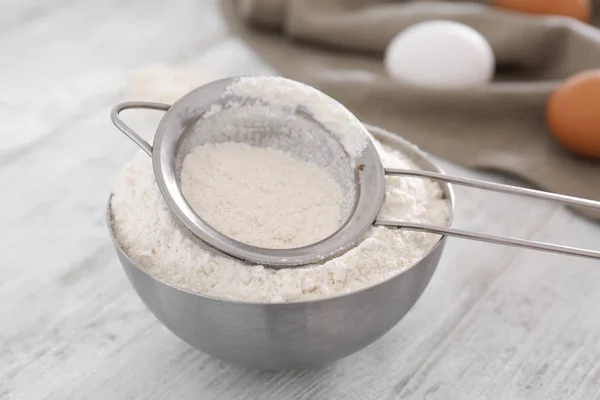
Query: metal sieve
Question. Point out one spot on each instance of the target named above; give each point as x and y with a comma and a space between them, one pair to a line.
213, 114
209, 115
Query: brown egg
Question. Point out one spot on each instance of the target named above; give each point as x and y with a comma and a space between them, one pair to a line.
573, 114
578, 9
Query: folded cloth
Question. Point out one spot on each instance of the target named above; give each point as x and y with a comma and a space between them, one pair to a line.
337, 47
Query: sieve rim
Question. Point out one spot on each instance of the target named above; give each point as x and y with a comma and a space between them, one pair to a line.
370, 187
367, 168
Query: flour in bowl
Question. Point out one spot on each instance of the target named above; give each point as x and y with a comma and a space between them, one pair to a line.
149, 234
264, 197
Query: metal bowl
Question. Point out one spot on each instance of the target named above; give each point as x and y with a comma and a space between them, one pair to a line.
304, 334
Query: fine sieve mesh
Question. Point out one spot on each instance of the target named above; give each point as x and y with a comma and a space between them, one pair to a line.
256, 124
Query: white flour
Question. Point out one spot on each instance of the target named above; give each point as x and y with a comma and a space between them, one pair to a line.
276, 91
261, 196
148, 233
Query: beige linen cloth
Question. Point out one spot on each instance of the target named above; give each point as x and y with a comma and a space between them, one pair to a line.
337, 47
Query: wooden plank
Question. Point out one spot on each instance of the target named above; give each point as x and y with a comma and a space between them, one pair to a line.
74, 59
533, 334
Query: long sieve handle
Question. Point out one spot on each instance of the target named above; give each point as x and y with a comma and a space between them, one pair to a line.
497, 187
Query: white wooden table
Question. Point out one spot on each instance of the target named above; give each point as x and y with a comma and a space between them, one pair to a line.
495, 322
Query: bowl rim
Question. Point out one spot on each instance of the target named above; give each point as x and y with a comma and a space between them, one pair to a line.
421, 158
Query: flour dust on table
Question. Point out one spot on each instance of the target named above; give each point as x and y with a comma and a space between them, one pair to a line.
150, 236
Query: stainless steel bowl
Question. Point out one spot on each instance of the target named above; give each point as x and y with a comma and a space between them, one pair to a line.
290, 335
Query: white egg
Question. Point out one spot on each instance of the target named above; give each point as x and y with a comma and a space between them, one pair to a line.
440, 54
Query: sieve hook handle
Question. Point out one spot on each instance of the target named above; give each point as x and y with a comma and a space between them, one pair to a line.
497, 187
130, 133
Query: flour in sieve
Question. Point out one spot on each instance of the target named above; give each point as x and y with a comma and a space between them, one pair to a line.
276, 91
150, 236
261, 196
